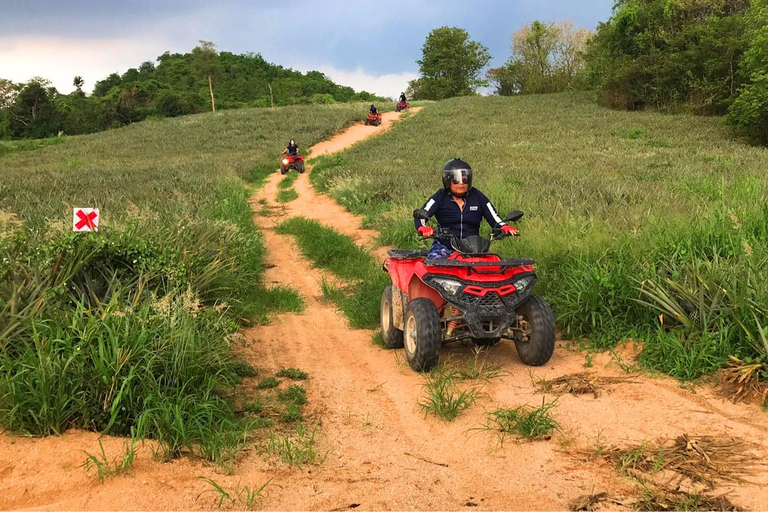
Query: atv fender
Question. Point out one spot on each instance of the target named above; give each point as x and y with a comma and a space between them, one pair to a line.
418, 290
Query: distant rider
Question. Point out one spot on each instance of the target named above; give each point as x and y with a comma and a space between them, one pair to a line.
402, 98
292, 148
374, 110
459, 208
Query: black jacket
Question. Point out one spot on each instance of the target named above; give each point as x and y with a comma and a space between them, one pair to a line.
293, 149
402, 98
374, 111
462, 223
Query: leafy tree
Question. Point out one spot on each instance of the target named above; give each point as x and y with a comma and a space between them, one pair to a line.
8, 93
146, 69
102, 87
450, 65
546, 57
205, 63
670, 54
749, 112
78, 83
33, 114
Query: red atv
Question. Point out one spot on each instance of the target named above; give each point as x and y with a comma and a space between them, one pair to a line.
402, 106
372, 119
472, 294
289, 162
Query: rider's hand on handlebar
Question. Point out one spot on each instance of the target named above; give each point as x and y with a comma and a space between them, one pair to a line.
426, 231
509, 230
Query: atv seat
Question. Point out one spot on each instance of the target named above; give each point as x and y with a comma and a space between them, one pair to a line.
407, 254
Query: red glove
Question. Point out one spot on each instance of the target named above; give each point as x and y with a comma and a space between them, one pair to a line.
509, 230
426, 231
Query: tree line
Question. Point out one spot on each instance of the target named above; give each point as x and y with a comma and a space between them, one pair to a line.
701, 56
176, 84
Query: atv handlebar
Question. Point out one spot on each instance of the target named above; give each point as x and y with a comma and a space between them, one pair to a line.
441, 232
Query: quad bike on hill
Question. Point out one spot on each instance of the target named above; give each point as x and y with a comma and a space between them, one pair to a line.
472, 294
402, 106
288, 162
373, 119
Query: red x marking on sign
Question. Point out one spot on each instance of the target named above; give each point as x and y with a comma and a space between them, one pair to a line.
85, 220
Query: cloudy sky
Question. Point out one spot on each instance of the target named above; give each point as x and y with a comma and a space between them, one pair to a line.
366, 44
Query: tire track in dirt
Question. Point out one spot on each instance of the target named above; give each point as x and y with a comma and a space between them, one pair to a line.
364, 401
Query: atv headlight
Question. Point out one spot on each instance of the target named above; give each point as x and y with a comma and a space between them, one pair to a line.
449, 286
522, 285
285, 161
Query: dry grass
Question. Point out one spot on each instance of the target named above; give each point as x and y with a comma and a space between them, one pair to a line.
698, 459
653, 498
583, 383
741, 381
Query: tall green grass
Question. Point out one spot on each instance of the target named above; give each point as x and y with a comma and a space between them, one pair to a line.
363, 279
615, 202
131, 329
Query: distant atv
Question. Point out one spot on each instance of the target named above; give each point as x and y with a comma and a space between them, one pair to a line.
472, 294
373, 119
289, 162
402, 106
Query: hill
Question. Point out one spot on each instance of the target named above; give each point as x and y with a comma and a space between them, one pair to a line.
177, 85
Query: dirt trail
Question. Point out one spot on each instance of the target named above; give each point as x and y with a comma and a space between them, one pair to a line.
383, 453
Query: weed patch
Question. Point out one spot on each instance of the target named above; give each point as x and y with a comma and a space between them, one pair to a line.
443, 397
105, 468
267, 383
526, 421
292, 373
245, 496
297, 449
286, 196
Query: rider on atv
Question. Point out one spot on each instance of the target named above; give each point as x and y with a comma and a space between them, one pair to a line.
402, 98
374, 110
459, 208
292, 149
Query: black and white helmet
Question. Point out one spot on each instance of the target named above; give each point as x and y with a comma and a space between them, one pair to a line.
457, 171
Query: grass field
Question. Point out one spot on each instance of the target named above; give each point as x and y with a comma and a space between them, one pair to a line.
130, 331
643, 225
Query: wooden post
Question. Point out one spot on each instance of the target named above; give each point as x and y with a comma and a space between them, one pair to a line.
210, 86
271, 98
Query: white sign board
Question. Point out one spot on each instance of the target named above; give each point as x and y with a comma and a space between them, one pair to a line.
85, 219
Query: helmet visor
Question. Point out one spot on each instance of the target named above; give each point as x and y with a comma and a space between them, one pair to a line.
459, 176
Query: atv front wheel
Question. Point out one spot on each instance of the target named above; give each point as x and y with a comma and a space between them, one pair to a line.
422, 335
283, 169
541, 332
393, 337
300, 167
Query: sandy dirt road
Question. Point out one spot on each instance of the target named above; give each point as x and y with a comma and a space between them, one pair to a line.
382, 452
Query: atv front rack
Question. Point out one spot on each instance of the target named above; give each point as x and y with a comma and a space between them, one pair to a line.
407, 254
504, 262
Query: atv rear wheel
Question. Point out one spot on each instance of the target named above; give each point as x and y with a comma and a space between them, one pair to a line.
283, 169
366, 121
422, 335
541, 332
393, 337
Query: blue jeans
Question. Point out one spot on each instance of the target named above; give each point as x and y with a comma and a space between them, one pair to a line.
438, 251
